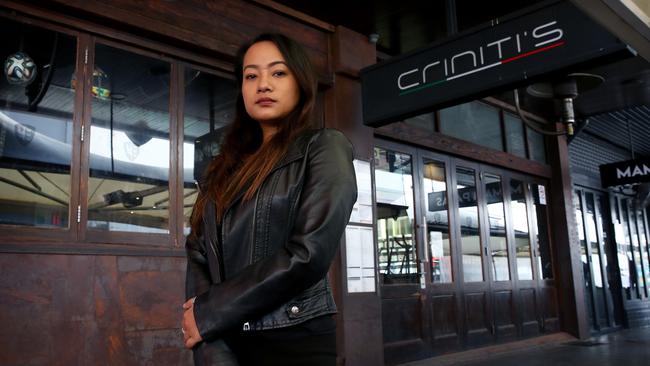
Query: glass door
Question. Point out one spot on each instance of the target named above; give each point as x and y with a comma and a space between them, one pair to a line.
598, 256
464, 253
439, 238
400, 265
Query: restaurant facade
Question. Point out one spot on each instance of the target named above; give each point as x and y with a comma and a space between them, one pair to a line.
479, 221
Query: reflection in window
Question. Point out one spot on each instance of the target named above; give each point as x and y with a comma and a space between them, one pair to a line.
423, 121
209, 108
520, 226
394, 192
437, 218
542, 238
128, 188
636, 250
514, 131
644, 246
470, 238
586, 270
36, 107
474, 122
536, 147
621, 251
632, 288
497, 221
593, 241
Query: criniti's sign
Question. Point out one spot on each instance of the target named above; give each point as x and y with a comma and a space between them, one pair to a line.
625, 172
547, 40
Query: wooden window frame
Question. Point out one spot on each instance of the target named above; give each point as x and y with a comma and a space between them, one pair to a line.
77, 238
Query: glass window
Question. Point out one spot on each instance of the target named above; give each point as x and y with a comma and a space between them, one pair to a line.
470, 237
209, 108
577, 204
514, 131
621, 247
423, 121
394, 194
586, 271
633, 283
472, 13
593, 241
497, 220
520, 226
437, 217
644, 246
536, 146
36, 110
128, 188
636, 250
474, 122
542, 238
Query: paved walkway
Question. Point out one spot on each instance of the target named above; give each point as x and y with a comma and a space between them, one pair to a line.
629, 347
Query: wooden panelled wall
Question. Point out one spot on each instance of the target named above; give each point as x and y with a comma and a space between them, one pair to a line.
77, 304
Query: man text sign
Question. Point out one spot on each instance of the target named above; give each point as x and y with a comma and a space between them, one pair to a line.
625, 172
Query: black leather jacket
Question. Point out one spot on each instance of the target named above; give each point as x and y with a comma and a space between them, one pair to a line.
289, 232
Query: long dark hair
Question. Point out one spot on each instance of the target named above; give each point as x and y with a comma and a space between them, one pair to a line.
243, 158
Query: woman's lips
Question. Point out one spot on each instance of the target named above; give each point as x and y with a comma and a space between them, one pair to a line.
265, 101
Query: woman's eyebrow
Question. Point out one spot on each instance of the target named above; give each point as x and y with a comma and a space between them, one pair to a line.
269, 65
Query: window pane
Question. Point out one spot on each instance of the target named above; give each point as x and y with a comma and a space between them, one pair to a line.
540, 202
636, 250
520, 226
497, 240
515, 135
36, 106
644, 246
423, 121
596, 269
593, 241
536, 147
474, 122
129, 143
621, 247
209, 108
470, 238
394, 192
632, 287
584, 259
437, 217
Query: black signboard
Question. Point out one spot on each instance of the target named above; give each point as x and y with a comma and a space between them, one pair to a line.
550, 39
625, 172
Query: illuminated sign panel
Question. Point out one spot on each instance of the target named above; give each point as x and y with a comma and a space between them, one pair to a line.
519, 50
625, 172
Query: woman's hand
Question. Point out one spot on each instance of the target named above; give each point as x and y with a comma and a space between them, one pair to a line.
189, 328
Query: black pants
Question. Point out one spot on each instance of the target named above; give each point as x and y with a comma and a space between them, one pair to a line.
311, 343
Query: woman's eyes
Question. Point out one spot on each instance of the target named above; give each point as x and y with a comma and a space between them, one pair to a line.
277, 73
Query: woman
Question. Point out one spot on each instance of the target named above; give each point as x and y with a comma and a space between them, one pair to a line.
268, 221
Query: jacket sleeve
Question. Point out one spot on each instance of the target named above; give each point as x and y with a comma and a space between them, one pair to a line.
328, 194
197, 278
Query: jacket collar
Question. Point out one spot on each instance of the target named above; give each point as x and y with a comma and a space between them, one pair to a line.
297, 148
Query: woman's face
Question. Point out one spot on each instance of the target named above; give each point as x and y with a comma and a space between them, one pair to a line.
269, 89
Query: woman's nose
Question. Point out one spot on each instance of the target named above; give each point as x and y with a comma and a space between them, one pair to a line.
263, 84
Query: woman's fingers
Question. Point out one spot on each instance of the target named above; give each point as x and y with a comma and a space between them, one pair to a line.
191, 335
188, 304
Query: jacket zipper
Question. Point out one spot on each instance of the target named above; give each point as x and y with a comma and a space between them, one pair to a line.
253, 227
